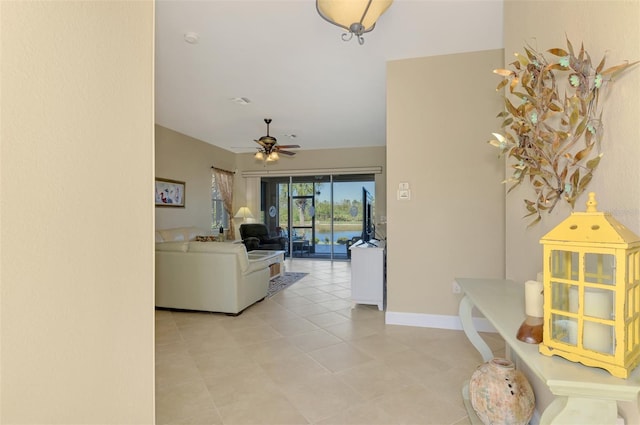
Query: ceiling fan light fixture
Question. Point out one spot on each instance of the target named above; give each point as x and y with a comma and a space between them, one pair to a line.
269, 147
356, 17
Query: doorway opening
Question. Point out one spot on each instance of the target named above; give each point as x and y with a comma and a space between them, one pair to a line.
321, 215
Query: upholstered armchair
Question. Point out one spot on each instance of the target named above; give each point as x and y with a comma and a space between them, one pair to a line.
256, 236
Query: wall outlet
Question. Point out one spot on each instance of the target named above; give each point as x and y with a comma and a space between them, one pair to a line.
455, 287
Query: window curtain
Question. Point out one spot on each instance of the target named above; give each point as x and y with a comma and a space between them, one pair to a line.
224, 180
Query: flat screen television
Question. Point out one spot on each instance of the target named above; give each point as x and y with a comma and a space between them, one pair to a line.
368, 227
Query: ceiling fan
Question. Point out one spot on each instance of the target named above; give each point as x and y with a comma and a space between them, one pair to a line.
269, 149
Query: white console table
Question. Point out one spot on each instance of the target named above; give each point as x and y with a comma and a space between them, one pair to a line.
583, 395
367, 273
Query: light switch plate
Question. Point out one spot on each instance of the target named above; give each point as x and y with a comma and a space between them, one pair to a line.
404, 195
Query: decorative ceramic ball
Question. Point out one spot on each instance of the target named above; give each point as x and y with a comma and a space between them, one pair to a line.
500, 394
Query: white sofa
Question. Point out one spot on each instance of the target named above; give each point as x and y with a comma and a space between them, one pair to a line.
207, 276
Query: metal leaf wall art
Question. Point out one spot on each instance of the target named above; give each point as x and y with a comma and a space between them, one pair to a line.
551, 124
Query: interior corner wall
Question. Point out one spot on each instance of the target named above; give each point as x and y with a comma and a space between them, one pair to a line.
440, 113
76, 217
605, 27
183, 158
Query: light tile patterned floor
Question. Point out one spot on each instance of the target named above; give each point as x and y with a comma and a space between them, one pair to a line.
305, 357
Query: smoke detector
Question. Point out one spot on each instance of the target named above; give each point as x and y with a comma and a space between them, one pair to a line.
241, 100
191, 37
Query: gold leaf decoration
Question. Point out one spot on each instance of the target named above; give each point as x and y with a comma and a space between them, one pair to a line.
552, 127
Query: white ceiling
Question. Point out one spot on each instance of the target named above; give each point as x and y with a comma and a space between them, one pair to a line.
295, 69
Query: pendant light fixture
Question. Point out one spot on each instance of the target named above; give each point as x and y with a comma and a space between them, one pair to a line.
355, 16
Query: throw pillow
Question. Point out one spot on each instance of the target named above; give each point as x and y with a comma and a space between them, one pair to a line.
208, 238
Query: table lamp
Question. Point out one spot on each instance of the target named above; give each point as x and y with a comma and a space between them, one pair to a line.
243, 213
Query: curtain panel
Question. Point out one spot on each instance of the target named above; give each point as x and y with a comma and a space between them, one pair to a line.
224, 180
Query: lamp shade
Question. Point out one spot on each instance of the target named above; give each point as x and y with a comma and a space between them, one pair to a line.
345, 13
243, 213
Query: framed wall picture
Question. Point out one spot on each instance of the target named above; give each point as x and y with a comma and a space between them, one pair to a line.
169, 193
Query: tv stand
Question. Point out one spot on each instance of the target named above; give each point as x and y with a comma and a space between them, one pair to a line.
372, 242
368, 273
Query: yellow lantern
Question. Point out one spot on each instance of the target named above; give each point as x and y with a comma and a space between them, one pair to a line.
592, 292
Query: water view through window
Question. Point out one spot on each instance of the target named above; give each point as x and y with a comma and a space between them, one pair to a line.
320, 215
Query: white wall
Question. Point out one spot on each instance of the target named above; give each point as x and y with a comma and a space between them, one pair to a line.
440, 113
76, 180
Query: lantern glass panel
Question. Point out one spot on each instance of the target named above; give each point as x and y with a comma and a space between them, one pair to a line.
600, 268
598, 337
560, 297
633, 301
564, 264
574, 299
564, 329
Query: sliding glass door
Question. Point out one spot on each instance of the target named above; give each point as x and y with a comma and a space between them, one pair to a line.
319, 215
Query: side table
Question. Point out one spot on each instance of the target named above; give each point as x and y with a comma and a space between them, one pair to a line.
301, 246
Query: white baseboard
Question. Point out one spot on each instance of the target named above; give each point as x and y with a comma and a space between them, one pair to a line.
435, 321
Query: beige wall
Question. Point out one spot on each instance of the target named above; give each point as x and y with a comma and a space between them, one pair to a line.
76, 251
440, 113
609, 27
183, 158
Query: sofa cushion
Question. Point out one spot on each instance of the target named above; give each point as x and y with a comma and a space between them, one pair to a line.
172, 246
237, 249
181, 233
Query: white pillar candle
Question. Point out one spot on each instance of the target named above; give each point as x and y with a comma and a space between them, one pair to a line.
597, 336
598, 303
533, 298
573, 299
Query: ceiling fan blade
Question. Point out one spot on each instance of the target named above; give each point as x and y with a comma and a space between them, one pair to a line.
286, 153
261, 143
287, 146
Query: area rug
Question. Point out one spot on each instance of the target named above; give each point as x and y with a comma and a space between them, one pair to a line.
284, 281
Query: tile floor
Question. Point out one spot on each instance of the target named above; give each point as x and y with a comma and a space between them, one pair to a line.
305, 357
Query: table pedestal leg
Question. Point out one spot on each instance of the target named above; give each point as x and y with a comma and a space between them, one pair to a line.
464, 311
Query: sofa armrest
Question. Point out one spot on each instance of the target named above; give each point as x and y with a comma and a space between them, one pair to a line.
277, 240
251, 243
